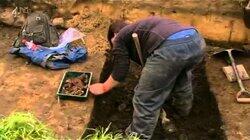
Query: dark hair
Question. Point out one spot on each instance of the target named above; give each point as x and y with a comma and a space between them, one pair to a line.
115, 27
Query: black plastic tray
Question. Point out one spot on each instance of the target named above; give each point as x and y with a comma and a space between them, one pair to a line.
72, 74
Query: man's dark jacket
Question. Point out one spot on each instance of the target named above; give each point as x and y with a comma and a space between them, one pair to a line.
151, 33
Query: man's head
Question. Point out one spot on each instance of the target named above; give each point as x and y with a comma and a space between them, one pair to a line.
114, 28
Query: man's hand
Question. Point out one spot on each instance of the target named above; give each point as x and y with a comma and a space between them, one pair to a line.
100, 88
97, 89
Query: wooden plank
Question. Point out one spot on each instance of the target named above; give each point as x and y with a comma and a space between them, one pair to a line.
228, 70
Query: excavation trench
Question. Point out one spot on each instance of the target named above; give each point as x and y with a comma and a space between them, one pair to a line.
204, 122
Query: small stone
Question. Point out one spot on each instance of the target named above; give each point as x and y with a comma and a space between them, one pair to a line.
114, 118
174, 11
122, 106
169, 128
103, 102
58, 22
183, 137
212, 132
7, 17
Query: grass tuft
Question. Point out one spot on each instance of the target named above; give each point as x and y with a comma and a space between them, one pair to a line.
24, 126
104, 134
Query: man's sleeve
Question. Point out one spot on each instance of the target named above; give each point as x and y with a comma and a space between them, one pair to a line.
121, 57
121, 64
107, 67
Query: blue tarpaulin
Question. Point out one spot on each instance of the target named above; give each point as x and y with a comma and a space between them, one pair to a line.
52, 58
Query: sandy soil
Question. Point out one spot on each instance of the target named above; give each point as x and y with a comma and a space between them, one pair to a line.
27, 87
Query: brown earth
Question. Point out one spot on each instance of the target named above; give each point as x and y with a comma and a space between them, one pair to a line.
27, 87
235, 115
31, 88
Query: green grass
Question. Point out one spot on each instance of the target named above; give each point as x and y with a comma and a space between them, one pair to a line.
104, 134
24, 126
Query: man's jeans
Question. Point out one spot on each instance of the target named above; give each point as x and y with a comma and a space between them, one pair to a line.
167, 73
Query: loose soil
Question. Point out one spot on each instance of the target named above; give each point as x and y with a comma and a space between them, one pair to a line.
204, 121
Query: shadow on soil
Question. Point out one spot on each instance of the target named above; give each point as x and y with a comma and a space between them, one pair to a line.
204, 122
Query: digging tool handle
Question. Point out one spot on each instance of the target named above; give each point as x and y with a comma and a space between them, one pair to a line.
235, 70
242, 88
138, 47
242, 99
